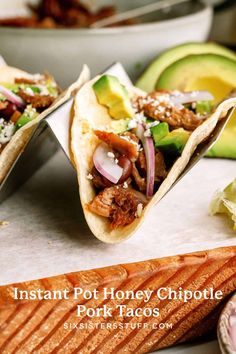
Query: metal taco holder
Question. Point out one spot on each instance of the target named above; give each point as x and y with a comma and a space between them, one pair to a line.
52, 133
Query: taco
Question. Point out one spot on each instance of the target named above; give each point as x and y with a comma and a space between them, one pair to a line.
25, 99
129, 148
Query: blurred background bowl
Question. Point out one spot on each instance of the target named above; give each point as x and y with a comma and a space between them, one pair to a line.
63, 51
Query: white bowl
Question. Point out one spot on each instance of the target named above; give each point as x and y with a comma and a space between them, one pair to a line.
63, 51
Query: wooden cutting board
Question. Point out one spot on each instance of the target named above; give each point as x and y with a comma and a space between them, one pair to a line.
48, 326
50, 237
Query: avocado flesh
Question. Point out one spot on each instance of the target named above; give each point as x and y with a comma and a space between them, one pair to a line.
121, 109
114, 96
147, 81
218, 87
159, 131
119, 126
210, 72
225, 147
25, 118
174, 142
204, 107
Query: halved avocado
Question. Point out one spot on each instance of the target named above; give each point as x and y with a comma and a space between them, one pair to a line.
211, 72
149, 78
225, 147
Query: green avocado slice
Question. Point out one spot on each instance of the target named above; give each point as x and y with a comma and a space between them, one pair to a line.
204, 107
174, 142
112, 94
225, 147
28, 115
159, 131
148, 79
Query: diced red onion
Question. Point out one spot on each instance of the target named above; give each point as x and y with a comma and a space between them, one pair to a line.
17, 100
106, 165
189, 97
149, 150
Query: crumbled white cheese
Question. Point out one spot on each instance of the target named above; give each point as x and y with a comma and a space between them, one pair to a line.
89, 176
30, 111
194, 105
125, 185
29, 91
194, 93
116, 161
139, 117
43, 90
132, 124
138, 213
127, 138
111, 155
37, 77
7, 130
147, 133
200, 116
152, 124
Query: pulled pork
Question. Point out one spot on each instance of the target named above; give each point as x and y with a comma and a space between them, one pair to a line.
139, 180
39, 102
156, 106
8, 110
3, 105
59, 13
24, 80
160, 167
118, 204
124, 144
99, 181
139, 171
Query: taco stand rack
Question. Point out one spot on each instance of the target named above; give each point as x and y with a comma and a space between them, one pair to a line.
52, 133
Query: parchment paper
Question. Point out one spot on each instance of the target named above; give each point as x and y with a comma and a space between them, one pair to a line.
47, 234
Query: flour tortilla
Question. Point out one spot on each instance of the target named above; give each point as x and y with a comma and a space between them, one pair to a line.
19, 140
89, 115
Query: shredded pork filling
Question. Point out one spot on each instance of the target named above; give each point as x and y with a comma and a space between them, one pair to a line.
34, 102
121, 206
157, 106
121, 203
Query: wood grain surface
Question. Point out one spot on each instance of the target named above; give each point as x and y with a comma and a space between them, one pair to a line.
38, 326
